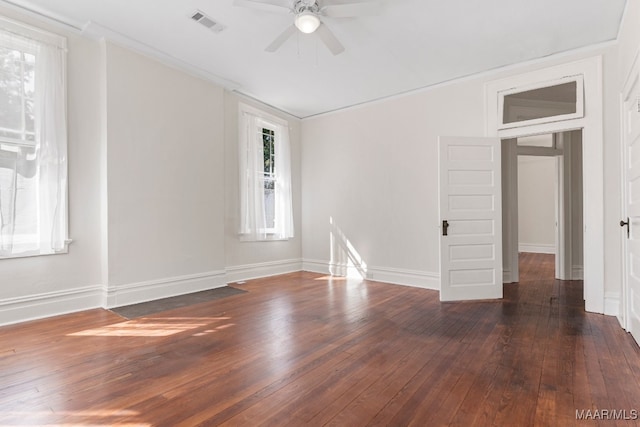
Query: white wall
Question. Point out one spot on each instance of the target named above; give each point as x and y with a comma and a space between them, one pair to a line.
246, 260
32, 287
373, 172
373, 169
536, 204
165, 163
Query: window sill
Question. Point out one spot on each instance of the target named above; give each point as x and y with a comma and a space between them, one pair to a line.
33, 254
268, 238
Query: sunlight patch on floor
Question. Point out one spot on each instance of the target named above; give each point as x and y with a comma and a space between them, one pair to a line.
333, 278
80, 424
155, 327
89, 418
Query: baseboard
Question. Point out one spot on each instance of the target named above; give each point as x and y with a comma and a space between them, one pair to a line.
537, 248
334, 269
612, 303
316, 266
577, 272
150, 290
395, 276
264, 269
39, 306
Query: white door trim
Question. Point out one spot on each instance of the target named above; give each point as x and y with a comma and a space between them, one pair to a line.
592, 138
564, 208
510, 214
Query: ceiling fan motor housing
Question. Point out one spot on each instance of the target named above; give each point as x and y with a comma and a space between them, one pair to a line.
309, 6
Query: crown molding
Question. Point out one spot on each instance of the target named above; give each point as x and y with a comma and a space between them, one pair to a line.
97, 31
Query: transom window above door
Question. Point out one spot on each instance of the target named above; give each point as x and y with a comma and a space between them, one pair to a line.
544, 102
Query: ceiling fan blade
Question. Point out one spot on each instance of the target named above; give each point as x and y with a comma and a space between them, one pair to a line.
349, 10
283, 37
267, 7
329, 39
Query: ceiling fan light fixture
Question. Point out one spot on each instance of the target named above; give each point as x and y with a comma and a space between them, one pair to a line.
307, 22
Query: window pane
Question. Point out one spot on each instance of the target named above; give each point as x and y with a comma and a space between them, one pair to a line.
29, 120
268, 139
268, 150
19, 230
540, 103
269, 203
17, 85
10, 105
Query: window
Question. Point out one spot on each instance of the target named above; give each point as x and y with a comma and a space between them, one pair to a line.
33, 146
561, 99
265, 177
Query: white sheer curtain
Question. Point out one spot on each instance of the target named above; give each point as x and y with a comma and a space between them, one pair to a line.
284, 209
253, 224
33, 166
51, 137
253, 218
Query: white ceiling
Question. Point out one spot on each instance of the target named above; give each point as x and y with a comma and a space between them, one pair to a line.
411, 44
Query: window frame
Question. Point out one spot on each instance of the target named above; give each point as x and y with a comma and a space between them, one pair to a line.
39, 35
271, 122
272, 175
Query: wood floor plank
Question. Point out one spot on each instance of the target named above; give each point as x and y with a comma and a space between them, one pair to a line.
481, 347
306, 349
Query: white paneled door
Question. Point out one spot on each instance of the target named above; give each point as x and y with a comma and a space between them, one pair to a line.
631, 224
470, 218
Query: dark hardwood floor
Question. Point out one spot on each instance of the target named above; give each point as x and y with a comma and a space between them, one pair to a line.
304, 349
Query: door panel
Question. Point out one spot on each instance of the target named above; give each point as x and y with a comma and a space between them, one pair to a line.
631, 138
470, 203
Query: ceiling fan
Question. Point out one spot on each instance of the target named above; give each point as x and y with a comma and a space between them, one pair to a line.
308, 15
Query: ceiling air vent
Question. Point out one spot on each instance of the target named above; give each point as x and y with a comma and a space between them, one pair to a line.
206, 21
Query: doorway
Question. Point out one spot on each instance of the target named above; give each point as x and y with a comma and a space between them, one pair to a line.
543, 202
588, 117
